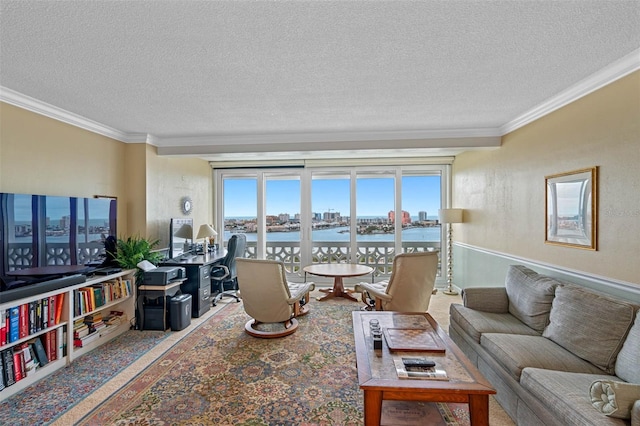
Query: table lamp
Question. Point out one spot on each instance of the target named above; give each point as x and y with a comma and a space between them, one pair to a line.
449, 216
206, 232
186, 232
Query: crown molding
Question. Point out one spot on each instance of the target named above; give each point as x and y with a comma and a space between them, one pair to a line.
34, 105
618, 69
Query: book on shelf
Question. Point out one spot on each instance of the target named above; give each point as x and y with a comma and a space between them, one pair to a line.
3, 327
14, 324
2, 385
51, 344
39, 351
7, 360
418, 373
52, 311
59, 304
18, 365
23, 320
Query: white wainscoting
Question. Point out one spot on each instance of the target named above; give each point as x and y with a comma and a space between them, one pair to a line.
478, 267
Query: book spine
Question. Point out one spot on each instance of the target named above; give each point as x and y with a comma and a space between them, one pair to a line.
45, 313
41, 354
7, 358
23, 320
52, 311
2, 385
59, 305
3, 327
18, 366
14, 324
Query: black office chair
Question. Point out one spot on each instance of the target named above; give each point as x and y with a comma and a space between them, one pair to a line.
224, 278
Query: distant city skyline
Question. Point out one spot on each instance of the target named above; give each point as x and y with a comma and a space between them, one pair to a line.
374, 197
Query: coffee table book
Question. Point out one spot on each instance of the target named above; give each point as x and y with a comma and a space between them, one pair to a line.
413, 339
428, 374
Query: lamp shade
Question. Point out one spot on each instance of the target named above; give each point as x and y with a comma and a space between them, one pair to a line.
206, 231
450, 215
185, 231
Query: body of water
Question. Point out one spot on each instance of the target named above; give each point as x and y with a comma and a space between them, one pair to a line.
339, 234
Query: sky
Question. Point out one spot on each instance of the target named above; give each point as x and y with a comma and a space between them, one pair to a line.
57, 207
374, 196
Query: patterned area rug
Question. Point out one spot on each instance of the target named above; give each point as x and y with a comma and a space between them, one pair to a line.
218, 375
45, 400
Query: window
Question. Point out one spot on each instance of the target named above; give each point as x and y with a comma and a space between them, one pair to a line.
347, 214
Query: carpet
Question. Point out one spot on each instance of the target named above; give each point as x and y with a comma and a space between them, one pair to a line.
45, 400
218, 375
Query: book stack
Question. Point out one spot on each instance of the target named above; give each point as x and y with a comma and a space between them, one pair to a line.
94, 322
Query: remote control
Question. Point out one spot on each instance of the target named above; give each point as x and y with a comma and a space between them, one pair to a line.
418, 362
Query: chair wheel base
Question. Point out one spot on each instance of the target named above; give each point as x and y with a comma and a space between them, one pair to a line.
252, 331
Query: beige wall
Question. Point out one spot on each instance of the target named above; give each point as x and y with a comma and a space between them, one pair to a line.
171, 179
39, 155
502, 191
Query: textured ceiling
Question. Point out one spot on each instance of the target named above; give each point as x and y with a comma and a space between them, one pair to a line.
219, 74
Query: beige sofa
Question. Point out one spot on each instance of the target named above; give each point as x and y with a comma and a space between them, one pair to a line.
557, 353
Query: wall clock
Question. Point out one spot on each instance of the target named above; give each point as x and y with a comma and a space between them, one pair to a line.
186, 205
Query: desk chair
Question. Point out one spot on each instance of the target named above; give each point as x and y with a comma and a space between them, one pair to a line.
224, 275
410, 287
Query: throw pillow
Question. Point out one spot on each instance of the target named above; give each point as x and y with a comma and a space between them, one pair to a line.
530, 296
613, 398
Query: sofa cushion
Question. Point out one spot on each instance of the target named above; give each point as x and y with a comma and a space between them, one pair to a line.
474, 323
515, 352
530, 296
591, 325
567, 395
627, 364
614, 398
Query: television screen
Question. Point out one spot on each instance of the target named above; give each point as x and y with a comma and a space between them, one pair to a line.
43, 230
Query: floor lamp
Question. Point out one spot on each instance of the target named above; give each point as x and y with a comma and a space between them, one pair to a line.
449, 216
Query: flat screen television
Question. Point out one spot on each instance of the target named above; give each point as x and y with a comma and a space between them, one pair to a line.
43, 230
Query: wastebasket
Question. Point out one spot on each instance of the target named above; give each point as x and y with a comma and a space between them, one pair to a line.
180, 312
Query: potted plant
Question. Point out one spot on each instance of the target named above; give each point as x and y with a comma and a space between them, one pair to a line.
133, 250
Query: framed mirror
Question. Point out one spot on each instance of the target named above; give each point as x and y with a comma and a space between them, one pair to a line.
571, 209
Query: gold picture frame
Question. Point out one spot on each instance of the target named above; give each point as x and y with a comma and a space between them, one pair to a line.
571, 209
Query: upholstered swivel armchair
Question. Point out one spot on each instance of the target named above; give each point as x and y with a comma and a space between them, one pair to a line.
410, 287
268, 298
223, 275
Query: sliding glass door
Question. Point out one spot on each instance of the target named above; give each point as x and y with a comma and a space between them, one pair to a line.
331, 215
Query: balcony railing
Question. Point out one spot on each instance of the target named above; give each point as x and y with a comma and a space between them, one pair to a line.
20, 255
378, 255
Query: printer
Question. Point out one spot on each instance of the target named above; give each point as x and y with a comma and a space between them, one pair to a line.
163, 275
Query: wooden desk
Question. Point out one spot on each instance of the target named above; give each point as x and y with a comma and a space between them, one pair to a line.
378, 378
153, 292
49, 270
337, 271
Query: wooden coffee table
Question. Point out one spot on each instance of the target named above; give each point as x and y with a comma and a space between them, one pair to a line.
378, 379
337, 271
